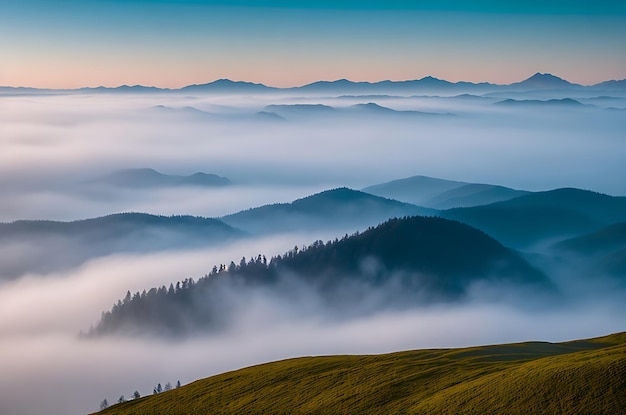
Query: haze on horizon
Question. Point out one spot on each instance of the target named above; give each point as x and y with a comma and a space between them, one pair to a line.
72, 44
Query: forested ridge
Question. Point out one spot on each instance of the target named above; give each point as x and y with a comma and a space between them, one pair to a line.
424, 258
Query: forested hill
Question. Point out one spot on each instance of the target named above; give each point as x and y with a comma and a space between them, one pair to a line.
543, 216
44, 247
340, 208
409, 261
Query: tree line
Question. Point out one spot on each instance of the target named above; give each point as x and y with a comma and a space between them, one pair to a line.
136, 395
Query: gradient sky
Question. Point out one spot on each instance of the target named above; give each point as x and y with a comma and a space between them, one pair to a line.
168, 43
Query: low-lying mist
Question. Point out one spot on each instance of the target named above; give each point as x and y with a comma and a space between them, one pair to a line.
71, 376
41, 317
53, 146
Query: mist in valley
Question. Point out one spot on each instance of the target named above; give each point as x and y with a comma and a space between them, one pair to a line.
54, 146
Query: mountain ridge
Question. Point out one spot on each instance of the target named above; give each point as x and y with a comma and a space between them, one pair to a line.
47, 246
439, 193
340, 207
401, 263
525, 220
150, 178
536, 81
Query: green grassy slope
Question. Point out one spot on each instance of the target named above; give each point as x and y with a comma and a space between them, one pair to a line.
579, 377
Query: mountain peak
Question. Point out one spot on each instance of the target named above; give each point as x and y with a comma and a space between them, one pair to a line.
545, 80
432, 80
227, 85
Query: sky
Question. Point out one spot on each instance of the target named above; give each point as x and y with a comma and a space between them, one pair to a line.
167, 43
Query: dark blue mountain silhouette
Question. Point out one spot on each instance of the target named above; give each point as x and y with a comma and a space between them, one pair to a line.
341, 208
147, 178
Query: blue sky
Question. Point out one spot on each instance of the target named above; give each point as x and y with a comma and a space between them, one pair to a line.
72, 43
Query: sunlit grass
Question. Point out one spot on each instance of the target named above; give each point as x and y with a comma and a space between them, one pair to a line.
587, 376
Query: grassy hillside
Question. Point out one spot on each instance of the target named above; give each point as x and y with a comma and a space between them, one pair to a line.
581, 377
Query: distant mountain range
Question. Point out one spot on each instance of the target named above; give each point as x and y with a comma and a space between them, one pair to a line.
49, 246
554, 103
150, 178
426, 85
370, 109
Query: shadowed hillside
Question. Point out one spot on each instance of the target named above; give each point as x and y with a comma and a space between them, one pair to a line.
541, 216
442, 194
401, 263
605, 250
474, 195
581, 377
340, 209
606, 239
48, 246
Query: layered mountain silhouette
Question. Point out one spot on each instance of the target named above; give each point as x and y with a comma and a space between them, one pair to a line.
542, 216
370, 109
341, 208
401, 263
227, 86
474, 194
442, 194
188, 112
542, 81
373, 109
606, 239
149, 178
426, 85
299, 111
566, 103
605, 249
621, 84
269, 116
48, 246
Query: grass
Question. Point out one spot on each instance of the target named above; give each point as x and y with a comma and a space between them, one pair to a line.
579, 377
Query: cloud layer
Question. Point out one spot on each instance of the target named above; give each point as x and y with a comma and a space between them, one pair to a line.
53, 145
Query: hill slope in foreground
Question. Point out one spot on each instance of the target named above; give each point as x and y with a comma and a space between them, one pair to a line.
585, 376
